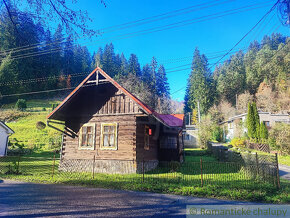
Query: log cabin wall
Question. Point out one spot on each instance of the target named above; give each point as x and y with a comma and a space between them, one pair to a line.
119, 103
126, 140
142, 153
111, 106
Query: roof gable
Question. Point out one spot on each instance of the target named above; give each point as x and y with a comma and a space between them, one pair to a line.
98, 76
88, 82
6, 128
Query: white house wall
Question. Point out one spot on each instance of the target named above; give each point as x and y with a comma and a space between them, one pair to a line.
3, 141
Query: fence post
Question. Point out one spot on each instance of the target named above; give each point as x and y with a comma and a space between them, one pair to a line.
201, 179
277, 174
53, 164
143, 171
257, 163
18, 165
94, 161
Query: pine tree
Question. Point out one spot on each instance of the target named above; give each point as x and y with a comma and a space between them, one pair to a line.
146, 74
134, 66
162, 86
251, 121
108, 59
162, 91
200, 84
263, 131
97, 59
68, 57
124, 65
257, 120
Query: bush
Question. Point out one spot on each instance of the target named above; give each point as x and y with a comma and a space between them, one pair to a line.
53, 106
238, 142
263, 131
21, 105
40, 125
280, 133
205, 132
217, 134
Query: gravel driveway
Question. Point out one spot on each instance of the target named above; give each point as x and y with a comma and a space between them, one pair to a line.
20, 199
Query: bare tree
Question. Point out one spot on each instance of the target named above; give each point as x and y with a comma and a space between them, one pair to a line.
75, 22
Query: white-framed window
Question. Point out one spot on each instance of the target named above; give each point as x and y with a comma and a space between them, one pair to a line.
109, 136
147, 134
87, 136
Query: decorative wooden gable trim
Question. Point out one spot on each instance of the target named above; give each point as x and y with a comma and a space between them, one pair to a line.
97, 77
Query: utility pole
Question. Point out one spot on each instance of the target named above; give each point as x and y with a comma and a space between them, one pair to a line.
198, 111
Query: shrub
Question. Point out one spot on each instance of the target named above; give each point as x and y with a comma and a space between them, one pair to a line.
217, 134
281, 134
40, 125
238, 142
205, 132
251, 121
21, 105
256, 120
263, 131
53, 106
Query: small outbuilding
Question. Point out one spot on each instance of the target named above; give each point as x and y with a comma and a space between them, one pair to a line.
5, 132
107, 126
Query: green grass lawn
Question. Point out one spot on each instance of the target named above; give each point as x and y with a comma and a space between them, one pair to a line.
35, 105
27, 134
282, 159
219, 179
24, 125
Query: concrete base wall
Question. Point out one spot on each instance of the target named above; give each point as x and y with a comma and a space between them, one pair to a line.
106, 166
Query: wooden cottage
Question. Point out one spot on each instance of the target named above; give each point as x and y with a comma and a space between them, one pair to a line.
5, 132
107, 126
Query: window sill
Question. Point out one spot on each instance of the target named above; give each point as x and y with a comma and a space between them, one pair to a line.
110, 149
80, 148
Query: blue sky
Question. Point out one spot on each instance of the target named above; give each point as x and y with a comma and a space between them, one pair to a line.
174, 47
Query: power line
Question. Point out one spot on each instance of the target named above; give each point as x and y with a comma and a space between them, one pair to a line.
272, 8
227, 60
168, 70
43, 91
152, 30
36, 45
174, 15
53, 90
41, 79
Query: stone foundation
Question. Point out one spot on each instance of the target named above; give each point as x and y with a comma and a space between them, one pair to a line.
106, 166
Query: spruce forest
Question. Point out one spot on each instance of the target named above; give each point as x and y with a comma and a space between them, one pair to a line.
259, 72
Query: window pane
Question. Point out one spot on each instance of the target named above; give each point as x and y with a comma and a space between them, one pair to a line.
90, 140
84, 129
84, 140
106, 140
112, 140
89, 129
106, 128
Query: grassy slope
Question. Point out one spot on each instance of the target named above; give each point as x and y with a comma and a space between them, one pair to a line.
25, 127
